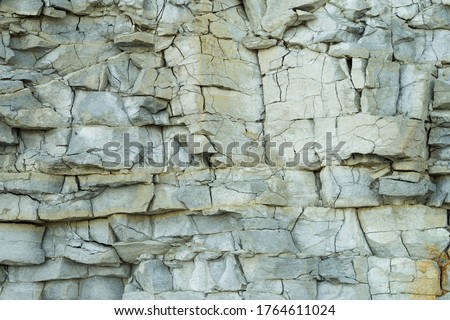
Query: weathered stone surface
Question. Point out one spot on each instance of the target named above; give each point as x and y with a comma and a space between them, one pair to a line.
21, 244
101, 288
331, 291
266, 268
28, 8
208, 273
344, 187
322, 231
398, 218
22, 291
61, 290
99, 108
113, 200
131, 251
179, 149
17, 208
153, 276
58, 269
404, 185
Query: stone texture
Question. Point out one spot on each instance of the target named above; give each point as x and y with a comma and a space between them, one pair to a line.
166, 150
21, 244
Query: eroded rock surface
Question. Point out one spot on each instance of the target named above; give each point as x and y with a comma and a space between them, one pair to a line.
230, 149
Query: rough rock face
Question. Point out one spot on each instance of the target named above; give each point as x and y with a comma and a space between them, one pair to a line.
208, 149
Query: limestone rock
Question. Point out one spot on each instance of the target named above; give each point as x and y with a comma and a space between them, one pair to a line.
101, 288
131, 251
348, 187
22, 291
28, 8
58, 269
61, 290
21, 244
153, 276
265, 268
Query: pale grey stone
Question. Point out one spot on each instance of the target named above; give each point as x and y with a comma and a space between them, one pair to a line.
441, 95
249, 295
207, 274
128, 199
92, 253
123, 271
399, 218
348, 187
173, 226
300, 290
180, 295
387, 244
131, 228
101, 288
216, 242
433, 17
266, 268
267, 286
131, 251
348, 49
22, 291
224, 296
9, 86
256, 43
153, 276
99, 108
57, 269
424, 243
26, 8
8, 135
32, 182
265, 241
404, 185
216, 224
21, 244
17, 208
61, 290
331, 291
339, 269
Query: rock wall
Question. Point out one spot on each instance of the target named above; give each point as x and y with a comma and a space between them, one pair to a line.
224, 149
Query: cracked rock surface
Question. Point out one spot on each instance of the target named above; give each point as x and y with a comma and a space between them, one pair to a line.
224, 149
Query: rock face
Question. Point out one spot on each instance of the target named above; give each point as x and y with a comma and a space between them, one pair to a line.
253, 149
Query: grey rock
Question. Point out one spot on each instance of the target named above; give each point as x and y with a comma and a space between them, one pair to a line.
58, 269
153, 276
398, 218
348, 187
61, 290
99, 108
8, 135
181, 295
28, 8
300, 290
441, 95
22, 291
114, 200
331, 291
21, 244
256, 43
18, 208
131, 229
265, 241
101, 288
266, 268
404, 185
131, 251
